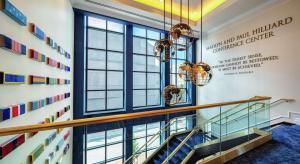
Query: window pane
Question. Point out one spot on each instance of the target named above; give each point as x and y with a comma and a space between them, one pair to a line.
154, 80
114, 61
153, 64
173, 79
153, 34
139, 32
153, 128
115, 135
181, 83
96, 80
139, 98
179, 63
153, 97
139, 131
114, 99
139, 81
95, 139
150, 45
96, 39
181, 54
139, 63
183, 99
96, 155
96, 59
95, 101
114, 151
96, 22
181, 123
139, 143
173, 66
139, 45
114, 80
115, 41
113, 26
155, 142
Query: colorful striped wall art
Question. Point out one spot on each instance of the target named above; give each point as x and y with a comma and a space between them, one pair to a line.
9, 9
59, 144
12, 45
51, 62
60, 159
51, 81
11, 145
12, 111
67, 55
51, 119
38, 32
50, 138
66, 136
34, 55
7, 78
36, 153
66, 149
34, 105
49, 158
36, 79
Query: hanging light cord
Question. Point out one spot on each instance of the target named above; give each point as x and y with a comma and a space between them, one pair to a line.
171, 13
188, 12
201, 28
164, 15
180, 11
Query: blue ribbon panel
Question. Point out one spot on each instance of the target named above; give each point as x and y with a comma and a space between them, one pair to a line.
6, 78
9, 9
39, 33
12, 111
12, 45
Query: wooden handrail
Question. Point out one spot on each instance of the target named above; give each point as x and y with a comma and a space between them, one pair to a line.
114, 118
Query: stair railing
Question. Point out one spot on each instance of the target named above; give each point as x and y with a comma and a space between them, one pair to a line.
152, 139
274, 102
180, 145
245, 115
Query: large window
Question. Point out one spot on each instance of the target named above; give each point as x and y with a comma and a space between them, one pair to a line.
105, 147
107, 53
105, 65
146, 68
142, 134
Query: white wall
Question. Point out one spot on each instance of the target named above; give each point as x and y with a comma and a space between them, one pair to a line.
56, 18
278, 78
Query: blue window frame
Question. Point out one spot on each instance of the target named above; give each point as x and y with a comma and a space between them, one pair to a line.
105, 147
104, 65
147, 69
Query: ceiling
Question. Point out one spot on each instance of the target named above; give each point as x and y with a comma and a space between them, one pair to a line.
150, 12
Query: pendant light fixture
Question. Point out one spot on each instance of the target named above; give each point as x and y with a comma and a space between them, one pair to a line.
182, 30
162, 47
201, 72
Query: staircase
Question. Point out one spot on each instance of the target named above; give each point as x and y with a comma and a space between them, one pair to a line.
169, 147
